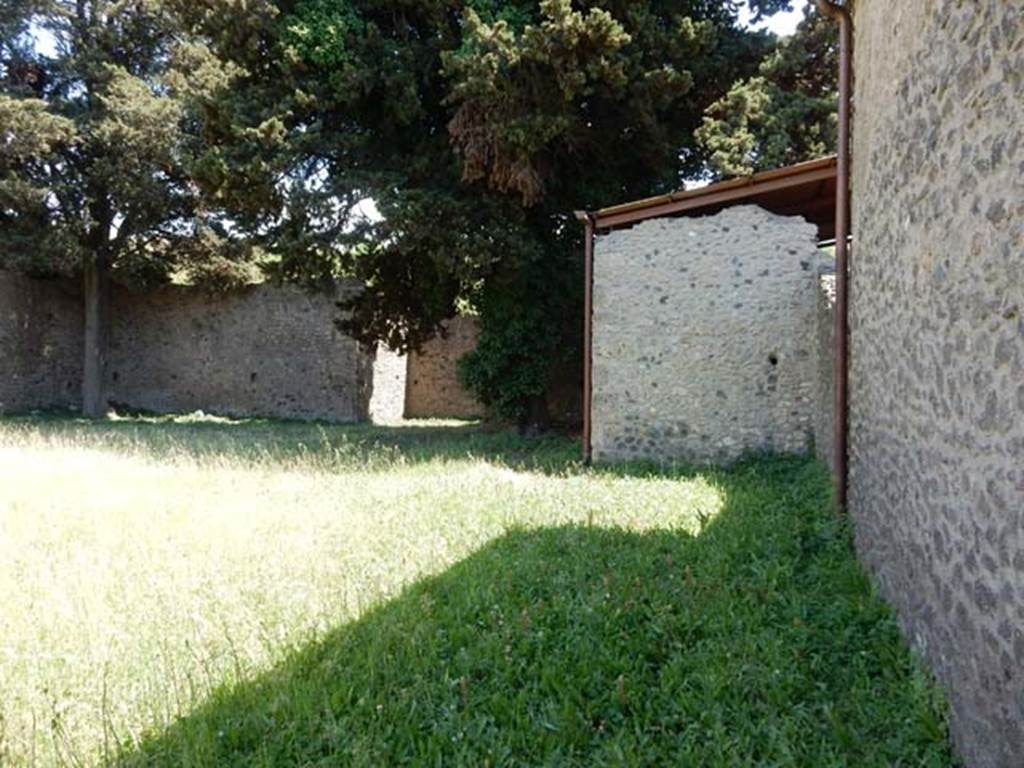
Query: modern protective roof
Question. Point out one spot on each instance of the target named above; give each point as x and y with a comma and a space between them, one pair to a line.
805, 189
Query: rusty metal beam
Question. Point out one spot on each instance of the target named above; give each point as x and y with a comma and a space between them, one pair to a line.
587, 219
714, 195
841, 15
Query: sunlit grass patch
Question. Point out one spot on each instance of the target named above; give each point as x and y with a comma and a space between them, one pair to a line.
189, 592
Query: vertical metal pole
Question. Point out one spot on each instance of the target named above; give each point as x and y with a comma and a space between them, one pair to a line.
841, 327
588, 330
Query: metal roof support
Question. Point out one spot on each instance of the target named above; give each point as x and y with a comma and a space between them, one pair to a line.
587, 219
840, 367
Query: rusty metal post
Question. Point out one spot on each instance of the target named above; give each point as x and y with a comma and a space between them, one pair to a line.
588, 330
841, 328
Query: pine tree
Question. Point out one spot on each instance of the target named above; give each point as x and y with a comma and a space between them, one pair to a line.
105, 153
478, 127
784, 114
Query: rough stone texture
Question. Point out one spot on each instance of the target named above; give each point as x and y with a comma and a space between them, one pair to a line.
823, 409
703, 337
433, 388
40, 343
937, 345
260, 351
387, 401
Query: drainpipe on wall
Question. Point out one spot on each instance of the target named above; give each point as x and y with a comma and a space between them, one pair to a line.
840, 362
587, 219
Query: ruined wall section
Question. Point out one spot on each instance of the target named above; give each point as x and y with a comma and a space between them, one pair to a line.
824, 417
433, 387
704, 334
387, 399
264, 350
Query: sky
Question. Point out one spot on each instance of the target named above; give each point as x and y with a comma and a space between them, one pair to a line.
781, 23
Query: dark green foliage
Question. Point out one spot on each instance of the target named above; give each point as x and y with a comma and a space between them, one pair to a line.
478, 127
512, 361
786, 113
104, 142
193, 138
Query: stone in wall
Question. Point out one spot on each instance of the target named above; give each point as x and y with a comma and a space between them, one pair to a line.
823, 356
264, 350
704, 337
433, 388
387, 401
40, 343
937, 346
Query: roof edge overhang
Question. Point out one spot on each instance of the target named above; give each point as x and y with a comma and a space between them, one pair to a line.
803, 189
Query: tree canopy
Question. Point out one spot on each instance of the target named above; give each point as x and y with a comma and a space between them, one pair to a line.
786, 112
477, 127
103, 143
197, 137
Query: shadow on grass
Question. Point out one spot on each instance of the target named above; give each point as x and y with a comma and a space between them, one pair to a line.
757, 642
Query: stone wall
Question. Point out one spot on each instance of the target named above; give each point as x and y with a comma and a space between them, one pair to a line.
387, 401
937, 346
704, 336
264, 350
823, 356
40, 343
433, 388
260, 351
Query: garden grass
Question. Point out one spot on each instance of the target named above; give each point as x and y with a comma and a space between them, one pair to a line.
203, 592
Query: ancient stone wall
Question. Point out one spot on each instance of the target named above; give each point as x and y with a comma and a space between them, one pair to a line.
259, 351
264, 350
937, 346
40, 343
823, 357
387, 400
704, 333
433, 388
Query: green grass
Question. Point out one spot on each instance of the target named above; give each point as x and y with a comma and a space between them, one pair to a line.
194, 592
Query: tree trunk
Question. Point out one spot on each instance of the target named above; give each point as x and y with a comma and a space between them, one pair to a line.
96, 285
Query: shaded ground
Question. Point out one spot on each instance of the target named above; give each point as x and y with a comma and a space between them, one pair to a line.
282, 594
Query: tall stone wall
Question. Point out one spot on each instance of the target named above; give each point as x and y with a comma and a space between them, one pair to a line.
937, 346
259, 351
41, 349
264, 350
433, 388
704, 337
